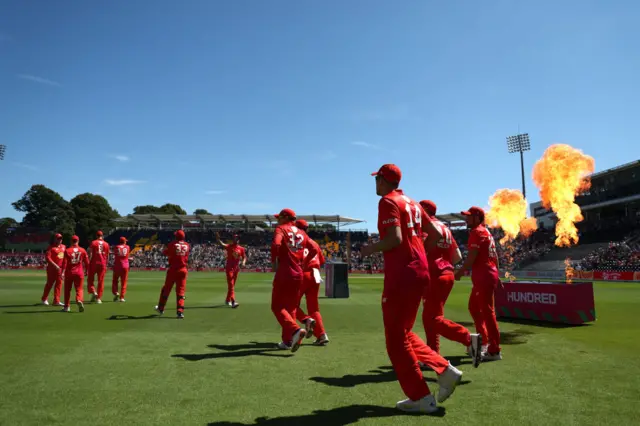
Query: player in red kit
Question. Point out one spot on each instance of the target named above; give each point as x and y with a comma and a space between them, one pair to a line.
288, 242
178, 253
75, 266
310, 288
401, 222
483, 262
55, 257
235, 254
99, 256
441, 259
120, 270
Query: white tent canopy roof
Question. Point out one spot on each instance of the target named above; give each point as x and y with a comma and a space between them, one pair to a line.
229, 218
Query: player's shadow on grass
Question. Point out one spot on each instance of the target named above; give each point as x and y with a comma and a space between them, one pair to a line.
542, 324
131, 317
46, 311
238, 351
384, 374
205, 307
21, 306
340, 416
514, 337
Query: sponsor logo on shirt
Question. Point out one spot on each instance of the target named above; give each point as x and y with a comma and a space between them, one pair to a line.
388, 221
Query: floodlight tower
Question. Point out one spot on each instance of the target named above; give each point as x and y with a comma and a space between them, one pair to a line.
520, 143
2, 150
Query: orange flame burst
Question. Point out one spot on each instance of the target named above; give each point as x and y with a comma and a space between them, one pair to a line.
560, 175
569, 271
508, 210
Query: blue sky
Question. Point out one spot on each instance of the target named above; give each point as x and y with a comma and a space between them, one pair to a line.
251, 106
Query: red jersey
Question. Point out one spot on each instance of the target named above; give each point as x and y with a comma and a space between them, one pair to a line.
408, 260
235, 252
121, 253
440, 257
178, 254
487, 260
288, 242
55, 256
317, 261
75, 261
99, 250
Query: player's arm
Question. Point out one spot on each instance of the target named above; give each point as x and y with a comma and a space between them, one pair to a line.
50, 259
313, 251
434, 234
85, 260
275, 248
64, 261
388, 219
90, 251
456, 257
474, 246
244, 257
321, 257
220, 241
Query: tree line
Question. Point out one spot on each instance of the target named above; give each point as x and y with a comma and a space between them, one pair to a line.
83, 215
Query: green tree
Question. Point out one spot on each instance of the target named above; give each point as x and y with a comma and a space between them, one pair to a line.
201, 211
147, 209
164, 209
8, 222
93, 213
46, 209
172, 209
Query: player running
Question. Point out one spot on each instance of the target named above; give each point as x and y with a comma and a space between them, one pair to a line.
235, 253
288, 242
401, 222
441, 259
310, 288
483, 262
75, 266
55, 257
178, 253
120, 270
98, 255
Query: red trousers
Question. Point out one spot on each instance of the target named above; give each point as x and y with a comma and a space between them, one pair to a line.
101, 271
76, 281
310, 290
177, 277
482, 310
284, 304
435, 324
119, 274
232, 276
54, 279
400, 305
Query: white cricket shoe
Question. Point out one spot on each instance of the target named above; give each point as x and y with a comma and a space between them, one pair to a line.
492, 357
80, 306
45, 302
475, 349
234, 304
116, 297
66, 309
284, 346
158, 310
448, 382
296, 341
228, 303
99, 301
122, 300
309, 325
94, 297
58, 304
322, 340
425, 405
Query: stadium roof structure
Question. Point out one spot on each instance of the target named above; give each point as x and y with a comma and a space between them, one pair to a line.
450, 218
204, 219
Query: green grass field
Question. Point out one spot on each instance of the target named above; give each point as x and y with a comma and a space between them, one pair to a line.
119, 364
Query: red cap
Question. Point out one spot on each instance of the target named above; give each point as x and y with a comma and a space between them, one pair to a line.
286, 213
99, 234
302, 224
390, 172
474, 211
123, 240
75, 239
429, 207
58, 236
179, 234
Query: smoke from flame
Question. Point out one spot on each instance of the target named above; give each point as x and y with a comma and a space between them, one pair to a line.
560, 175
508, 210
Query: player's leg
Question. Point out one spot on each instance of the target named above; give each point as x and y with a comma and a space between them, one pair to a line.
314, 312
443, 326
181, 289
102, 272
233, 286
396, 315
57, 289
301, 316
475, 309
49, 283
169, 281
431, 309
280, 306
229, 275
78, 282
124, 279
91, 289
114, 284
487, 302
68, 283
